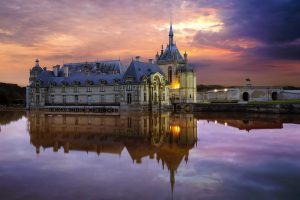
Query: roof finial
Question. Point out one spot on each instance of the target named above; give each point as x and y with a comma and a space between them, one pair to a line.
171, 33
37, 62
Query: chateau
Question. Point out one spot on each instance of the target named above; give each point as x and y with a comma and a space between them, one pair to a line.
100, 85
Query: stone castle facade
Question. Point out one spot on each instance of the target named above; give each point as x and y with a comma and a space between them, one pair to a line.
142, 86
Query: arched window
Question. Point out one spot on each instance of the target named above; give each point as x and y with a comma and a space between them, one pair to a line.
246, 96
170, 74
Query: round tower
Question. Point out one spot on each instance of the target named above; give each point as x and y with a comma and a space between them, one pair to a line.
35, 71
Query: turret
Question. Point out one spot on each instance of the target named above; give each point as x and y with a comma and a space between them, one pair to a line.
185, 56
157, 56
35, 71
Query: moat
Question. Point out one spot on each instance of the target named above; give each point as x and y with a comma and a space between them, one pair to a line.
149, 156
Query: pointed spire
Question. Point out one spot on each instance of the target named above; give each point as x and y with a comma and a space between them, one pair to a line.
172, 180
171, 35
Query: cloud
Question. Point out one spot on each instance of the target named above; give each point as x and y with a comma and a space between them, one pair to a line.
271, 24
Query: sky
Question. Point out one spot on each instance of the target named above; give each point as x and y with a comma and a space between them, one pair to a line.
226, 41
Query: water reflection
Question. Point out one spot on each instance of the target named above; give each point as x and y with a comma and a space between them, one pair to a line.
249, 122
140, 155
160, 136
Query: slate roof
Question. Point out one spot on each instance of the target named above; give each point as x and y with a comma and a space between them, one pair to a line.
171, 53
138, 69
99, 66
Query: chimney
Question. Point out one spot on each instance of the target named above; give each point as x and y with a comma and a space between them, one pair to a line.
66, 71
151, 61
56, 69
137, 58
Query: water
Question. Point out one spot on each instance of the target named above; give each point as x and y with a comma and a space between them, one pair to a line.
149, 156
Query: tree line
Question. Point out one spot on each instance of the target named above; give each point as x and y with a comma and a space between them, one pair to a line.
12, 94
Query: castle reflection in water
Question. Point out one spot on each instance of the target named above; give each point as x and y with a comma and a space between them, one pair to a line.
161, 136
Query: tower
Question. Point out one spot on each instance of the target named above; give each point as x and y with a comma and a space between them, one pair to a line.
181, 76
35, 71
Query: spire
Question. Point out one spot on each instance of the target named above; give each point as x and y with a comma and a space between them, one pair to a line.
171, 33
172, 180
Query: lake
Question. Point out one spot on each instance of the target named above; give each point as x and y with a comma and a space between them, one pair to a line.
149, 156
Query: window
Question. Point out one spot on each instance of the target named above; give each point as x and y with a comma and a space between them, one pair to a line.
63, 89
102, 98
89, 99
163, 97
116, 88
129, 87
64, 99
129, 98
190, 96
145, 97
37, 99
75, 88
116, 98
102, 89
51, 89
170, 74
52, 99
89, 89
76, 98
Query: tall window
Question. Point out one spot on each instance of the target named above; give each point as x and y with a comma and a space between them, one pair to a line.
89, 89
76, 98
52, 99
170, 74
145, 97
89, 99
129, 87
75, 88
64, 99
102, 89
116, 98
129, 98
116, 88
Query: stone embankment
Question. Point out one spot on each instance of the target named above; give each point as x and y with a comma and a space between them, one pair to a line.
246, 108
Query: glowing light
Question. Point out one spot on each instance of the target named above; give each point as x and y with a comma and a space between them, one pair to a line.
175, 129
215, 90
225, 124
175, 85
225, 90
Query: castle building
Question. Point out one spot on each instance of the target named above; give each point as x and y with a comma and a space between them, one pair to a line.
142, 86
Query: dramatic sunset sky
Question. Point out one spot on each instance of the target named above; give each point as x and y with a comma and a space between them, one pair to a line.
226, 40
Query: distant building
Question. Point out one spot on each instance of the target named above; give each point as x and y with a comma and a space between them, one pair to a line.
142, 86
248, 93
